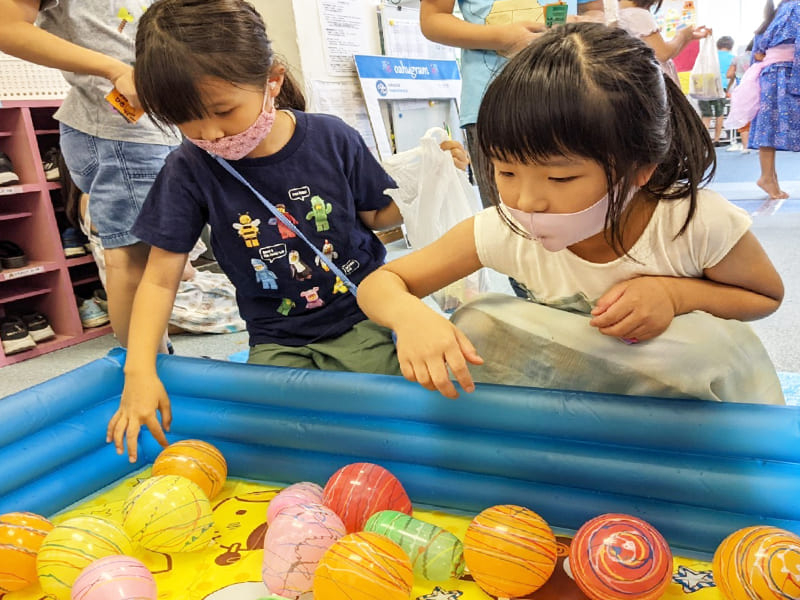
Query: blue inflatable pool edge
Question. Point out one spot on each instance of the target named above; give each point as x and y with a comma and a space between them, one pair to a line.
696, 470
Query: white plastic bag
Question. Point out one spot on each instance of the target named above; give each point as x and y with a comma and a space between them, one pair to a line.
434, 195
705, 82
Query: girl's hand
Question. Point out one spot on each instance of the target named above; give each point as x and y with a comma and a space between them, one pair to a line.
516, 36
427, 345
698, 33
635, 310
141, 397
123, 81
458, 153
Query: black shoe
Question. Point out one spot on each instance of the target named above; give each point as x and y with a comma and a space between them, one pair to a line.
38, 326
11, 255
7, 175
15, 336
50, 164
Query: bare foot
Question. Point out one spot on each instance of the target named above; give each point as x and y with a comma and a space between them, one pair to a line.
772, 188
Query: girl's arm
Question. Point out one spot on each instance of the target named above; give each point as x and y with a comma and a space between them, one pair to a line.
143, 393
439, 24
21, 38
666, 50
427, 343
744, 285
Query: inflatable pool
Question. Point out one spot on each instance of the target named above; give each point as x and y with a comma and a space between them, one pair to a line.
695, 470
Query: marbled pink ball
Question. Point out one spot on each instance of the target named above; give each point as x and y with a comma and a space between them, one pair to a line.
295, 542
304, 492
115, 577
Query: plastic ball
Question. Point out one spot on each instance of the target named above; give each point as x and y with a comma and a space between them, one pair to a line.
436, 554
295, 542
363, 566
304, 492
199, 461
510, 551
168, 513
72, 546
758, 562
359, 490
21, 536
115, 578
616, 556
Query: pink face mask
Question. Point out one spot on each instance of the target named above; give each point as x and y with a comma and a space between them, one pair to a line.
558, 231
237, 146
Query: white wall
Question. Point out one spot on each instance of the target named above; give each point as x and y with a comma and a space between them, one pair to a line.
279, 17
736, 18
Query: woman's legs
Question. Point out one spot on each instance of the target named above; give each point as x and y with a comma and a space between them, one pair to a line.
117, 176
769, 176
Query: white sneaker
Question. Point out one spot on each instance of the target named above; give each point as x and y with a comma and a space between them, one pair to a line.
746, 150
735, 147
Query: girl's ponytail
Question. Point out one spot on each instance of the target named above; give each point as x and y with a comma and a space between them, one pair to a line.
690, 161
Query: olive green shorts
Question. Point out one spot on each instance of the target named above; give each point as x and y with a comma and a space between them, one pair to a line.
366, 348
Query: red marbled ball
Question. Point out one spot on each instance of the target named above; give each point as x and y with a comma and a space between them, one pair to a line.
359, 490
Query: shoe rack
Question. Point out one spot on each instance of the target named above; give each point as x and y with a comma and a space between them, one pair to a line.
32, 216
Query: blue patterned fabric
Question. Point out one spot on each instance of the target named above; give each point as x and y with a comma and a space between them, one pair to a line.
777, 123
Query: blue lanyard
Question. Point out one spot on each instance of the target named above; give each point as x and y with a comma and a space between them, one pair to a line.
282, 218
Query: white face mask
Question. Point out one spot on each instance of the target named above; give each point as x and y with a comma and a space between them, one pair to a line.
558, 231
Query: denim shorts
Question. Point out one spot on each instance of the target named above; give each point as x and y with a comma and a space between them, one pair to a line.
117, 176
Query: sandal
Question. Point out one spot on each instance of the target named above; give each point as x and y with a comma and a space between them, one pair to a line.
11, 255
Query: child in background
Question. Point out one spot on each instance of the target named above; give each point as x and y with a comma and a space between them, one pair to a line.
218, 86
715, 109
776, 125
603, 221
636, 18
736, 71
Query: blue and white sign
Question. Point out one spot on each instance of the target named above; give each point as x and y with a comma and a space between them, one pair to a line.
390, 79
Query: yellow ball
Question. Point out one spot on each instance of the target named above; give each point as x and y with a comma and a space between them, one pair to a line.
363, 566
510, 551
73, 545
168, 513
758, 562
199, 461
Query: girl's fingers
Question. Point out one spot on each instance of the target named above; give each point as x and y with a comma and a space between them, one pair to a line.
458, 367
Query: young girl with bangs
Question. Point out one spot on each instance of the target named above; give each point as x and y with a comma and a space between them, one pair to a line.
637, 279
207, 67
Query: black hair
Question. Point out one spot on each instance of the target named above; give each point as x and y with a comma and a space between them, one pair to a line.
291, 94
725, 43
180, 42
769, 15
595, 92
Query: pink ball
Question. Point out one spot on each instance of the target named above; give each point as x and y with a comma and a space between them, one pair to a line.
294, 545
115, 577
359, 490
304, 492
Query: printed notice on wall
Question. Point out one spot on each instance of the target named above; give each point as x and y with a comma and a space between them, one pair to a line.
345, 33
344, 99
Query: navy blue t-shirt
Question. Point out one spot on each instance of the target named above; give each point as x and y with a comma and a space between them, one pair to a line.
321, 179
